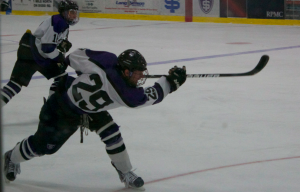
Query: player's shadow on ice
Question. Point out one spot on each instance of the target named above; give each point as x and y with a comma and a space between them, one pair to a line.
40, 186
19, 124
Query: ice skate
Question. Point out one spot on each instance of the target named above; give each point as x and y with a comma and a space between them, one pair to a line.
131, 180
10, 169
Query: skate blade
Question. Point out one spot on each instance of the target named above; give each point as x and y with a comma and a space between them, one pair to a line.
7, 181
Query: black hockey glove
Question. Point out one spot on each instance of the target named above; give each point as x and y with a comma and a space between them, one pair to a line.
4, 6
176, 77
64, 46
61, 63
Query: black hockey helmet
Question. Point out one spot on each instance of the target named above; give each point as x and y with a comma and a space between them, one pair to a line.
133, 60
69, 11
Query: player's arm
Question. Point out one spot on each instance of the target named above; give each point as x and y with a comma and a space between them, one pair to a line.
48, 36
49, 45
156, 93
46, 41
65, 45
165, 85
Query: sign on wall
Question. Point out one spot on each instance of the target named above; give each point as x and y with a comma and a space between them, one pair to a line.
172, 7
42, 5
91, 6
131, 7
22, 4
292, 9
206, 8
266, 9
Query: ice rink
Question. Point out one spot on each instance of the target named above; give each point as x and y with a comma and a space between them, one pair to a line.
231, 134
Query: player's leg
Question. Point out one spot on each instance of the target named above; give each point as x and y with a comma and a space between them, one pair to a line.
22, 73
53, 131
21, 76
109, 133
28, 148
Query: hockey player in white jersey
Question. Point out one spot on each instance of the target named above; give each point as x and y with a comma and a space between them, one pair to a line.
43, 50
105, 82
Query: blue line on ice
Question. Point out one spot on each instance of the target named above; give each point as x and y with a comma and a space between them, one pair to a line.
197, 58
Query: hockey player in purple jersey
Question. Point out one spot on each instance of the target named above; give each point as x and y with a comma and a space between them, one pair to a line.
105, 82
43, 50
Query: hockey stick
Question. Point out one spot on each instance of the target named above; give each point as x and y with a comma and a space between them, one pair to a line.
261, 64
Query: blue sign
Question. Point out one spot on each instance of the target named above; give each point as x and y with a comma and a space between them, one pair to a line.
172, 5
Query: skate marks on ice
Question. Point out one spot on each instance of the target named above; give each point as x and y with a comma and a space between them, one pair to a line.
21, 185
20, 124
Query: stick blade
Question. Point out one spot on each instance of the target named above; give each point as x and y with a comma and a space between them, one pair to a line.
261, 64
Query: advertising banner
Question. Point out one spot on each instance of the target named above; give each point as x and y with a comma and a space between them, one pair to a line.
172, 7
266, 9
146, 7
91, 6
292, 9
22, 5
206, 8
41, 5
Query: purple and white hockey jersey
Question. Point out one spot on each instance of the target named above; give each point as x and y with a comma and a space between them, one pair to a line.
100, 86
47, 37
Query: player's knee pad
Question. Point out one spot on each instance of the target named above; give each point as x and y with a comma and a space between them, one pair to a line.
24, 51
104, 125
36, 145
44, 148
23, 71
99, 120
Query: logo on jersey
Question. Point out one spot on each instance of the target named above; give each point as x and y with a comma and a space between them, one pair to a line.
172, 5
151, 93
89, 96
206, 5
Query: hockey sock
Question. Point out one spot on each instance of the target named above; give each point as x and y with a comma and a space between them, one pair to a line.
121, 161
9, 91
115, 146
23, 151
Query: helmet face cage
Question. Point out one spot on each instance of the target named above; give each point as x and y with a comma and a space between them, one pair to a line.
142, 80
69, 11
71, 16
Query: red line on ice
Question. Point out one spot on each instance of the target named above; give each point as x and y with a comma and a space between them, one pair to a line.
212, 169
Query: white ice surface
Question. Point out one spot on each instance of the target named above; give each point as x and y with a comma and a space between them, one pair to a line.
236, 134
